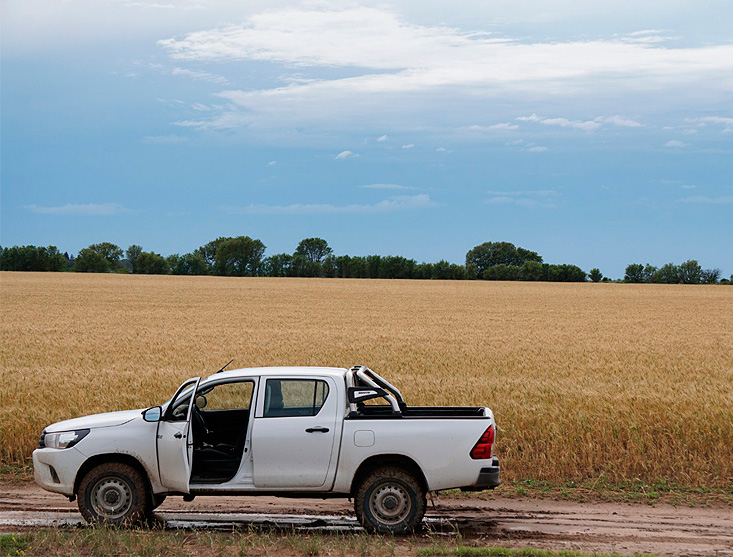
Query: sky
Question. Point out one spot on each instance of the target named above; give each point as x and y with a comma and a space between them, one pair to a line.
594, 133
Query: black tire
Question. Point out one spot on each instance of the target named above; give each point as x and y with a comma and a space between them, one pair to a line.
390, 500
113, 493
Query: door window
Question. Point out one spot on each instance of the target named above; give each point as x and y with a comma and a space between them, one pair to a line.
294, 397
227, 396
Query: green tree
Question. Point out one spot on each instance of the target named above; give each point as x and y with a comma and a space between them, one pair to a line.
303, 267
396, 267
595, 275
240, 256
133, 252
668, 274
32, 258
648, 273
373, 262
149, 263
343, 266
188, 264
634, 273
111, 252
501, 272
710, 276
565, 273
278, 265
91, 261
489, 254
533, 270
313, 249
689, 272
208, 251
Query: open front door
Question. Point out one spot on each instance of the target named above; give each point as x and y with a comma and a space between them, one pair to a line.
175, 439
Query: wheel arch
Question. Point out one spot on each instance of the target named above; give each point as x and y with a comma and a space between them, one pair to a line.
380, 461
121, 458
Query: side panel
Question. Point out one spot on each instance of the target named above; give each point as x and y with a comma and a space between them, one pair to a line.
439, 446
296, 452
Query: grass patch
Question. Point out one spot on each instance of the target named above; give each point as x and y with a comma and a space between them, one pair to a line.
108, 542
602, 490
14, 544
104, 541
467, 551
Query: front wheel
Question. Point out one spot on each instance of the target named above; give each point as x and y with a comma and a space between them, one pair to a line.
390, 501
113, 493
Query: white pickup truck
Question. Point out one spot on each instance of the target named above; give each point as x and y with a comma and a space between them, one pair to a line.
288, 431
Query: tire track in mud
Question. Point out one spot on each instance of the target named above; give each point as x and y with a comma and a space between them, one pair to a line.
607, 527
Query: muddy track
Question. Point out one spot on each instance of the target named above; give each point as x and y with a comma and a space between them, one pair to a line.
625, 529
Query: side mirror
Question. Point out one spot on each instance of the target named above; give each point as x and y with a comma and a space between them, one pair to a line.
152, 414
201, 402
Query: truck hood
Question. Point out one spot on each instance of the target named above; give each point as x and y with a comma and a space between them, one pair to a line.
96, 420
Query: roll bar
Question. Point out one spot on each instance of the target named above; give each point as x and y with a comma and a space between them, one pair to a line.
372, 379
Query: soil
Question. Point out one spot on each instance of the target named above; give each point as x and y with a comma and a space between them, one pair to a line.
599, 527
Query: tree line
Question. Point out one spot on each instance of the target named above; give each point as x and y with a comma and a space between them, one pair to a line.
313, 257
689, 272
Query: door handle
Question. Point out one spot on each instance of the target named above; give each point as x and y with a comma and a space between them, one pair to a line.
318, 429
178, 435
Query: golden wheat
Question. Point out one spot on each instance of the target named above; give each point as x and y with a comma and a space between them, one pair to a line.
586, 380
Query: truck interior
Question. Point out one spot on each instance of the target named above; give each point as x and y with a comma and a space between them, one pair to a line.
219, 420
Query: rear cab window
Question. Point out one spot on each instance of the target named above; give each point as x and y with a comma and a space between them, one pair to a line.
294, 397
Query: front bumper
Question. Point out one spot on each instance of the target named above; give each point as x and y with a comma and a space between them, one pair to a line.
488, 477
55, 469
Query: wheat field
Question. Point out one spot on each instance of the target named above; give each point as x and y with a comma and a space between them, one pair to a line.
613, 381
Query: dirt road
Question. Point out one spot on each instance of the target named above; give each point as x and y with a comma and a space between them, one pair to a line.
624, 529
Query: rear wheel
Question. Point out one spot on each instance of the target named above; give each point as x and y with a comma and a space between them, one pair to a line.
113, 493
390, 500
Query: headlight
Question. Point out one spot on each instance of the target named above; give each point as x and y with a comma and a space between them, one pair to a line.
64, 439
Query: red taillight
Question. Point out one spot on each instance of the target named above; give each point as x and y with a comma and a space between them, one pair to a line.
483, 447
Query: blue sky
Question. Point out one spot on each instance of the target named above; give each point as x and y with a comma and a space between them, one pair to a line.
595, 133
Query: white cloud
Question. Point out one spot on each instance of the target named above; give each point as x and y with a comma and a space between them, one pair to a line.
620, 121
201, 107
441, 150
408, 146
524, 198
396, 203
500, 126
725, 121
202, 76
675, 143
585, 125
271, 163
387, 187
405, 68
346, 155
537, 149
723, 200
384, 137
83, 209
688, 187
